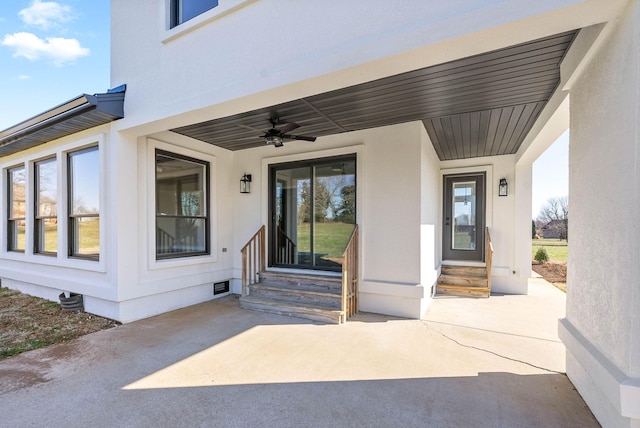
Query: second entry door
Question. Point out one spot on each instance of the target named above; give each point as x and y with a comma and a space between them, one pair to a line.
464, 217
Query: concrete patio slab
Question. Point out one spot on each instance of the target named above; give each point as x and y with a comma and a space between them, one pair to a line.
472, 362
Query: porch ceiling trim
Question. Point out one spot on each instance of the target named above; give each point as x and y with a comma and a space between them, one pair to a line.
482, 105
75, 115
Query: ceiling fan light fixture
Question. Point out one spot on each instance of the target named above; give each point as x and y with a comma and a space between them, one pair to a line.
276, 140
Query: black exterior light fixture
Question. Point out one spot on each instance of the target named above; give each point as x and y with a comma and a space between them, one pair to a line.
245, 183
503, 187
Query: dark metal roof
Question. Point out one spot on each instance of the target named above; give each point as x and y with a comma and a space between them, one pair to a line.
78, 114
482, 105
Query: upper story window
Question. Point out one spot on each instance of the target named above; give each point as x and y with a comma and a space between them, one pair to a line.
46, 207
84, 203
16, 225
182, 206
184, 10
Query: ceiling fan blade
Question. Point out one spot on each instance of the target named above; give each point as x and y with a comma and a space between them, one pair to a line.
299, 137
288, 127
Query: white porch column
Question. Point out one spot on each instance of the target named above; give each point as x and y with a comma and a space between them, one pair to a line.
602, 327
522, 215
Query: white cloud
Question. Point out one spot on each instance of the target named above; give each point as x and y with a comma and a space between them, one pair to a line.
58, 50
24, 77
46, 14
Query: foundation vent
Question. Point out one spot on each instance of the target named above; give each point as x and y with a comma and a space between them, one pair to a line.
220, 287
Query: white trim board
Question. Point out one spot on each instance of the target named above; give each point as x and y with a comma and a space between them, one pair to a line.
622, 391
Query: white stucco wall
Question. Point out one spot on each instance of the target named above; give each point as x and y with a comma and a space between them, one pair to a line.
149, 286
230, 60
48, 276
390, 163
430, 216
602, 326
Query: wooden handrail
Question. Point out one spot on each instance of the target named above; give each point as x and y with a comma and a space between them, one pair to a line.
350, 264
253, 259
488, 248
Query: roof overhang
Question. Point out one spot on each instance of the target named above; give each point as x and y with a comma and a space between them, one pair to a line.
482, 105
78, 114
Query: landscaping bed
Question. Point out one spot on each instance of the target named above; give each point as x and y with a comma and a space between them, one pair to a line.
554, 272
28, 323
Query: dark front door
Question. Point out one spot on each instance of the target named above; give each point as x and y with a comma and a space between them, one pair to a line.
464, 217
312, 212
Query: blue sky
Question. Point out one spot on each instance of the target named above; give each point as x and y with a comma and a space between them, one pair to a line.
50, 52
551, 174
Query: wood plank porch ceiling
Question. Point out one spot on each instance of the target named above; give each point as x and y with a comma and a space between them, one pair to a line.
482, 105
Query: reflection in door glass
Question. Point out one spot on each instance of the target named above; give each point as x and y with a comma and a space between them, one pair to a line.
314, 213
464, 216
334, 211
292, 243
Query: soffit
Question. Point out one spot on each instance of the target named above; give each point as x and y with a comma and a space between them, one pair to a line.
81, 113
482, 105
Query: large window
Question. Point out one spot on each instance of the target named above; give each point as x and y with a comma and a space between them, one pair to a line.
84, 203
182, 206
184, 10
17, 209
46, 207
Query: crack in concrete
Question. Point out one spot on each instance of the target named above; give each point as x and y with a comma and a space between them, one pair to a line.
490, 352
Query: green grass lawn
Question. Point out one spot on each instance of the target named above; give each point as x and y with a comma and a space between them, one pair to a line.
329, 239
556, 249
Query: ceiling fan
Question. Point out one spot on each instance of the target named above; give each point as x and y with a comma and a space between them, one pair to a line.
276, 136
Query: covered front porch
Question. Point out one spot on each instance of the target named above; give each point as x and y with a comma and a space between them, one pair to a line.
488, 362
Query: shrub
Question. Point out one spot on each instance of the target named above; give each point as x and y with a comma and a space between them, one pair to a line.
541, 255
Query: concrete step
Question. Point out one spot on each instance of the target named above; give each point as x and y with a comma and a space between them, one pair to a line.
292, 309
458, 290
320, 295
316, 279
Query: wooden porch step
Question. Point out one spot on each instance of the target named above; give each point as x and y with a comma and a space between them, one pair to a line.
475, 271
293, 309
467, 281
328, 297
316, 296
458, 290
299, 279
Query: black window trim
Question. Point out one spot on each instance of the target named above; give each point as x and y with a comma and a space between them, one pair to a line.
176, 20
36, 208
10, 235
70, 216
206, 217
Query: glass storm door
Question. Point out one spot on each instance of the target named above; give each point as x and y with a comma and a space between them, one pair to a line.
464, 211
312, 212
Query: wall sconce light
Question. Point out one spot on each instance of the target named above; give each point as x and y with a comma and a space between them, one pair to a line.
245, 186
503, 187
